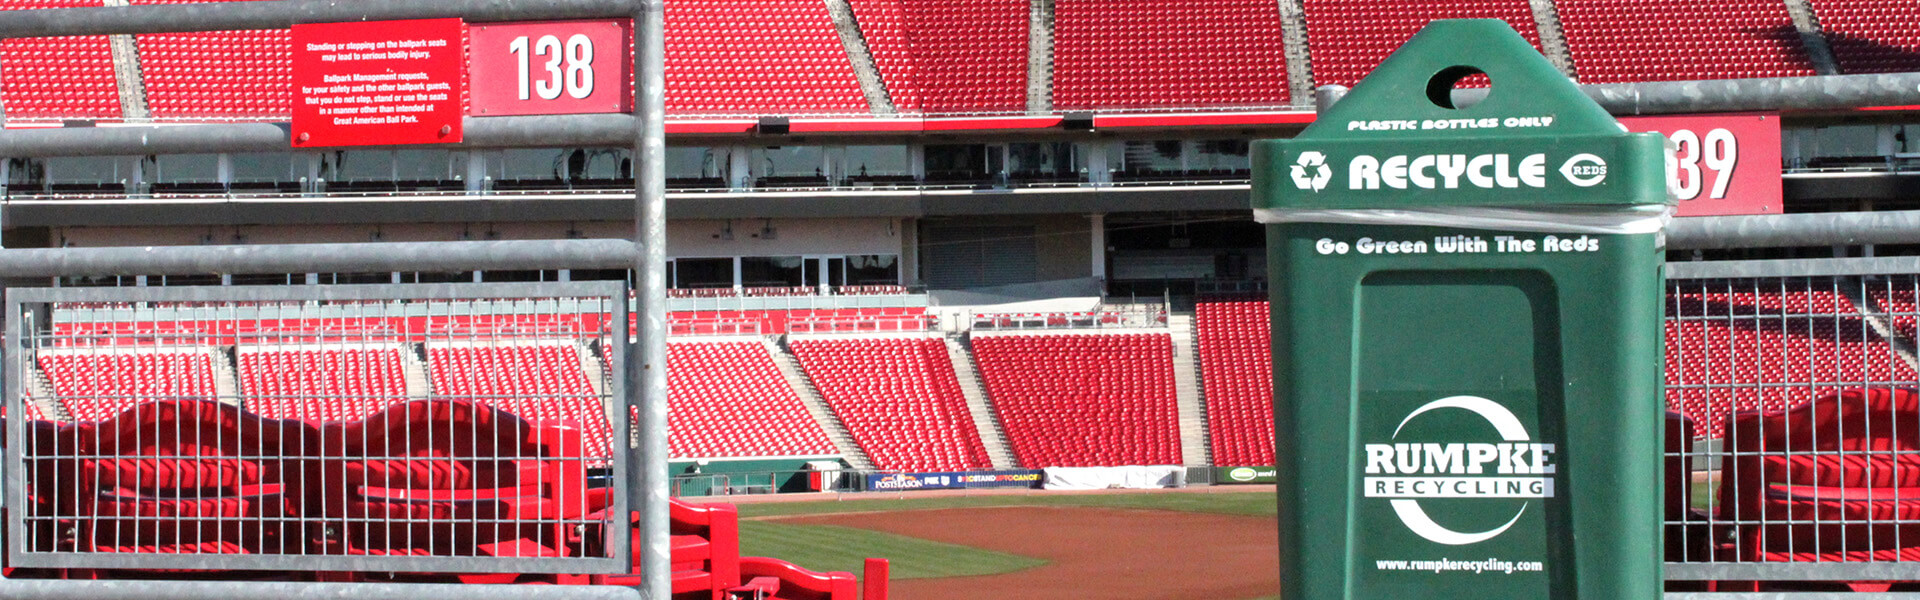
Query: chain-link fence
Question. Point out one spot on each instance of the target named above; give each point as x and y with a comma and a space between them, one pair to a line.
1793, 445
434, 428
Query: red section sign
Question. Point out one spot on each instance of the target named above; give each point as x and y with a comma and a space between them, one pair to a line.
377, 83
1724, 164
552, 68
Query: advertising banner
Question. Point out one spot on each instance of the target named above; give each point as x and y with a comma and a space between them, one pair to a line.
551, 67
953, 480
1244, 475
1723, 164
377, 83
1131, 477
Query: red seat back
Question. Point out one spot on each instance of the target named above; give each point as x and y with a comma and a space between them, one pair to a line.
453, 478
1839, 467
193, 476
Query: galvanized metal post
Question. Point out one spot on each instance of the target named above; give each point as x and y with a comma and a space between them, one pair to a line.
649, 373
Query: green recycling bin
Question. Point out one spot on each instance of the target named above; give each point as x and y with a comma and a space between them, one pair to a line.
1466, 333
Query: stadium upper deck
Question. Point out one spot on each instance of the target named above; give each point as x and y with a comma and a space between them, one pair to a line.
945, 58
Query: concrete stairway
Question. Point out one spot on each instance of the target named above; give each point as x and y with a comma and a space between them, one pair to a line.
591, 365
413, 368
226, 378
992, 435
40, 391
1195, 448
816, 405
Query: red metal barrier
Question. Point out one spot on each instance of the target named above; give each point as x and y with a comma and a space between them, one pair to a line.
874, 581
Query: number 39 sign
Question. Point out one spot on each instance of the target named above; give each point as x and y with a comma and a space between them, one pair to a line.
551, 68
1723, 164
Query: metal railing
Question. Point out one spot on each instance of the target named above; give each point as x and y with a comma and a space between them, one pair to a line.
1120, 316
865, 324
713, 327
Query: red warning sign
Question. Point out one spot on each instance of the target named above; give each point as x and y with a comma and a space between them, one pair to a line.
378, 83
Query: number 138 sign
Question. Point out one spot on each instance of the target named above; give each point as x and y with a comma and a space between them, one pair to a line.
551, 68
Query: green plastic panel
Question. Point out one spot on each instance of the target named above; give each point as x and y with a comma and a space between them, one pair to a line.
1459, 412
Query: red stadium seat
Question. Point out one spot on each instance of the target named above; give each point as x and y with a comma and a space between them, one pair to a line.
320, 384
1615, 41
1236, 370
60, 77
1735, 350
782, 57
1168, 54
1348, 38
1871, 36
728, 399
949, 56
97, 383
899, 398
1083, 400
537, 380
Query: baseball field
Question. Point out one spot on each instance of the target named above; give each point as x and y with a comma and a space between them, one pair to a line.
1216, 543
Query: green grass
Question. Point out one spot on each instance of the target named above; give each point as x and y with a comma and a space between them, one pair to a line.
1257, 504
832, 548
1703, 495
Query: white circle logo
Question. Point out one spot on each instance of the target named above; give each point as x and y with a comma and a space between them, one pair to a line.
1515, 467
1584, 170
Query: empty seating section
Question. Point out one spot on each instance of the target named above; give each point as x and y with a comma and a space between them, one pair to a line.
781, 57
320, 384
57, 77
1871, 36
1730, 349
728, 399
1348, 38
950, 56
899, 398
1616, 41
1901, 307
95, 384
537, 381
1236, 368
1168, 53
217, 74
883, 24
1083, 400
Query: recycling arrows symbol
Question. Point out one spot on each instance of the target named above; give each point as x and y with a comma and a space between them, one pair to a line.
1317, 180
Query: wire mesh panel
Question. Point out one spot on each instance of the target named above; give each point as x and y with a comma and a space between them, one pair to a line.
396, 429
1793, 441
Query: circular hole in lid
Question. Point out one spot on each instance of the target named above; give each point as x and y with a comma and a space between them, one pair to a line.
1458, 86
